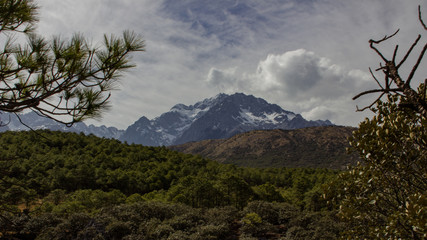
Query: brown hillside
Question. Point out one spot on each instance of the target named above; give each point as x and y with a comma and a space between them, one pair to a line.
323, 147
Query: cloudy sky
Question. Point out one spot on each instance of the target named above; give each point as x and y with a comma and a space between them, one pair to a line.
308, 56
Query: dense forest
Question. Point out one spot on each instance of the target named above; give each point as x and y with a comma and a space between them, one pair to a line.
57, 185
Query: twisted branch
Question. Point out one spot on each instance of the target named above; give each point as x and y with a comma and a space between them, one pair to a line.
413, 99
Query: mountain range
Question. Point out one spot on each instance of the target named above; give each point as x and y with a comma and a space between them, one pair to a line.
222, 116
9, 121
219, 117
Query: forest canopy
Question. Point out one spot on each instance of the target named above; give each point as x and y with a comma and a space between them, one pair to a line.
61, 174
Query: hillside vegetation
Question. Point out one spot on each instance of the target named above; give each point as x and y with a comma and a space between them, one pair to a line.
70, 186
323, 147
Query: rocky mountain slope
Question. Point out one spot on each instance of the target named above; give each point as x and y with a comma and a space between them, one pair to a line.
219, 117
323, 147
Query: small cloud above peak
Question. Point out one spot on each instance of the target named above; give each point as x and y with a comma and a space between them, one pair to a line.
300, 80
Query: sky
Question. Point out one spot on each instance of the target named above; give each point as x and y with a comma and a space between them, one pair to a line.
308, 56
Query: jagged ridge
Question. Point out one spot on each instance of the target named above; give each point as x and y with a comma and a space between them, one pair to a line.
219, 117
34, 121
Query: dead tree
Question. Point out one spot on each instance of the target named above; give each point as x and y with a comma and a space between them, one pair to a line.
393, 83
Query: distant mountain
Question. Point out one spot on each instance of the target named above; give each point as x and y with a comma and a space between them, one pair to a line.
34, 121
222, 116
219, 117
321, 147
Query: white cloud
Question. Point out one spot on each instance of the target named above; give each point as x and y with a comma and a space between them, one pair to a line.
227, 39
225, 80
300, 81
320, 112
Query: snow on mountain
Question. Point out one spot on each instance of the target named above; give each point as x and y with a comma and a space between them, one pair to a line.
219, 117
273, 118
164, 130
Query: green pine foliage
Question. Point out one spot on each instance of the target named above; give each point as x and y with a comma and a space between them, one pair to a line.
70, 186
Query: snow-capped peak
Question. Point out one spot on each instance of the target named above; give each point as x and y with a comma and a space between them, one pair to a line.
217, 117
195, 111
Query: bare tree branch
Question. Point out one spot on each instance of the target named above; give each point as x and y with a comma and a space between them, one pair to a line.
411, 97
414, 69
372, 104
420, 18
372, 42
375, 91
376, 80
